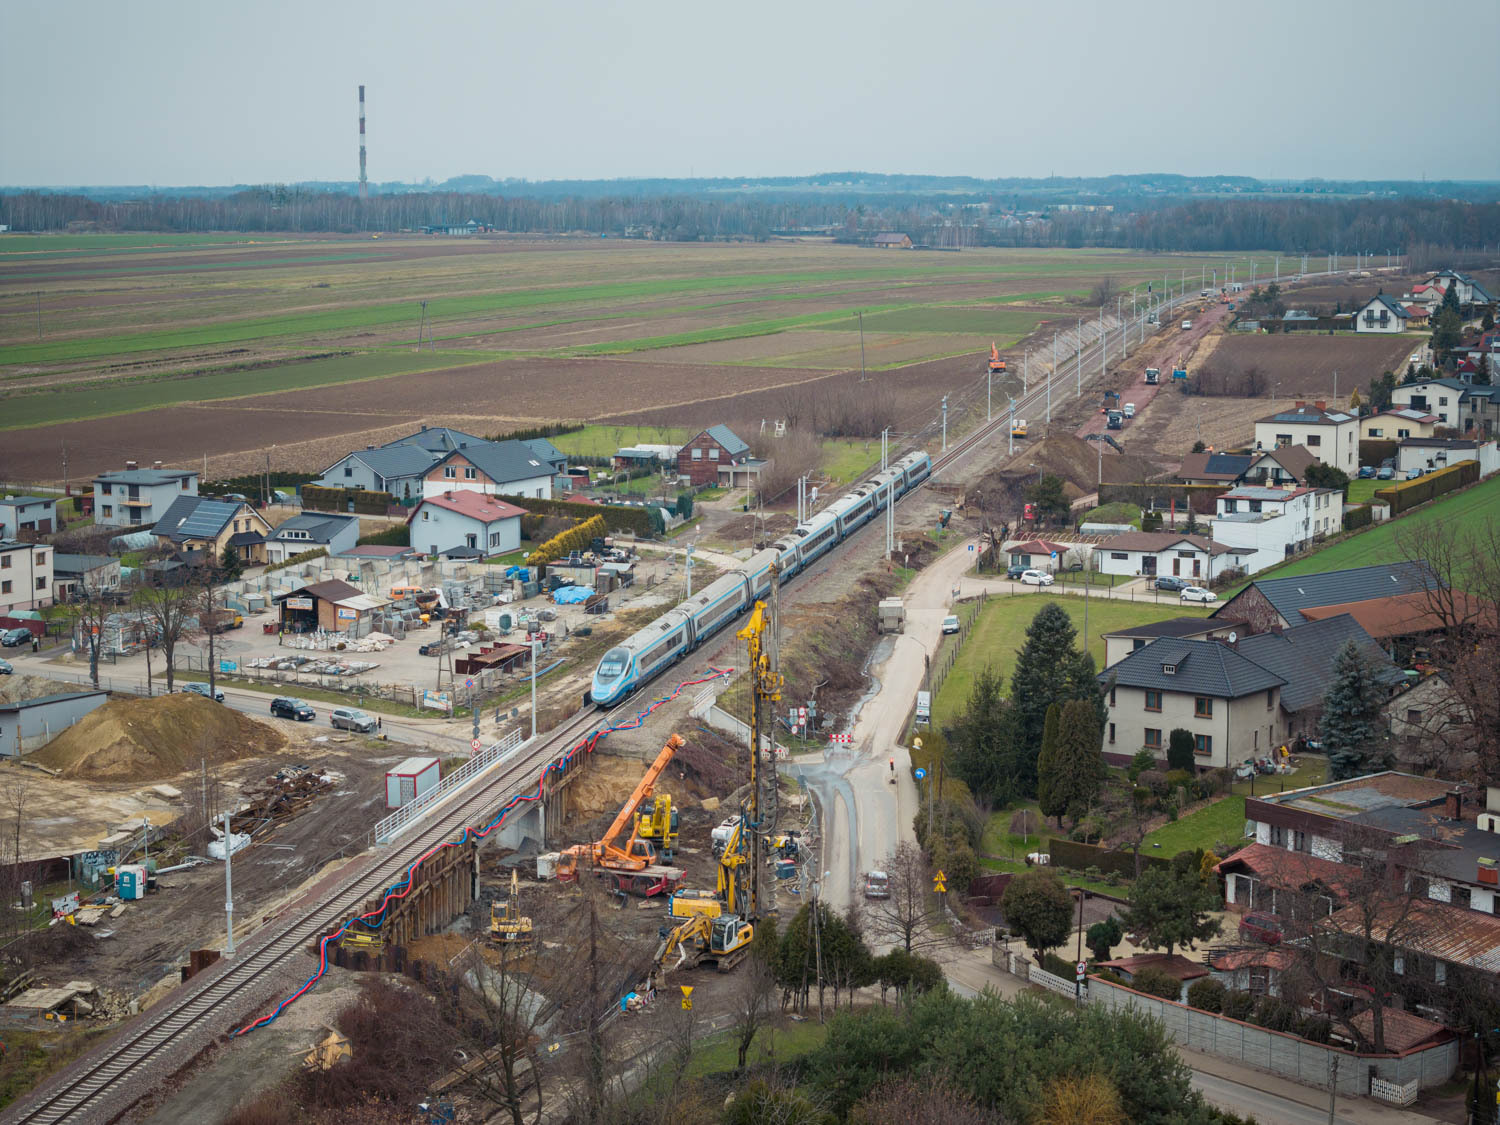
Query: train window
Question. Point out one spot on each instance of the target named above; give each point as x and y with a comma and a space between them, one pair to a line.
615, 661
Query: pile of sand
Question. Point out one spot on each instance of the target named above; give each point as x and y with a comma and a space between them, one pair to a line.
149, 739
19, 687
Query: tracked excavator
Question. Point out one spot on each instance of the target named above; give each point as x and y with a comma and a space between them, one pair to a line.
508, 926
721, 941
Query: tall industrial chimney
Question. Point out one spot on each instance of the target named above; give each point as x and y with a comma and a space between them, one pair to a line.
364, 190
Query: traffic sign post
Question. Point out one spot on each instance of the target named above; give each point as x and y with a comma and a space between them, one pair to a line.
919, 773
473, 746
687, 997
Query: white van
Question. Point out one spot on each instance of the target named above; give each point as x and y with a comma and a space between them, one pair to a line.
1187, 325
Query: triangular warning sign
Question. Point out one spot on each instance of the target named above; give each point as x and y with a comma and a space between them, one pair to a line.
940, 877
687, 990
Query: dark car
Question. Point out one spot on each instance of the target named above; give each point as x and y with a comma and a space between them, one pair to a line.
293, 709
1015, 572
1171, 582
1367, 472
1263, 928
5, 668
14, 638
202, 689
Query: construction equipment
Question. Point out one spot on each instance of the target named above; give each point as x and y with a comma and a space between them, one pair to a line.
997, 365
1109, 396
636, 854
765, 689
721, 941
1153, 376
659, 826
508, 926
1018, 428
731, 860
352, 938
695, 903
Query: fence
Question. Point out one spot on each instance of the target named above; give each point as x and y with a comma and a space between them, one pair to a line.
407, 815
1281, 1053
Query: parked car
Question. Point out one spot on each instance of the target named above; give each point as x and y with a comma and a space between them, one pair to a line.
1171, 582
347, 718
1198, 594
203, 689
877, 885
14, 638
950, 623
1367, 472
1386, 473
293, 709
1015, 572
5, 668
1130, 410
1035, 578
1413, 474
1261, 927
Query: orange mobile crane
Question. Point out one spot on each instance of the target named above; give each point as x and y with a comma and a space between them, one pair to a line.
636, 856
997, 365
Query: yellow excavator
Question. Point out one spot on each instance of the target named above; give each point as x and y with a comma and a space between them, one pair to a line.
721, 941
636, 854
659, 826
508, 926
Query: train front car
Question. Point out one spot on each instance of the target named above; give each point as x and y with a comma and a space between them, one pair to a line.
614, 677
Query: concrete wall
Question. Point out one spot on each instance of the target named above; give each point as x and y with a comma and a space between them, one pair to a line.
1279, 1053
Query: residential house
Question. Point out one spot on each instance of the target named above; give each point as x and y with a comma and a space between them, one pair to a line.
1381, 314
1258, 971
1332, 436
1039, 554
397, 468
465, 519
1117, 646
1397, 424
1470, 292
1417, 316
1210, 468
336, 534
1282, 467
1430, 454
493, 468
1174, 965
139, 497
200, 523
1442, 397
25, 576
28, 517
1151, 553
72, 574
646, 456
1230, 704
700, 459
1268, 525
1304, 657
1429, 297
1270, 603
1429, 724
548, 454
893, 241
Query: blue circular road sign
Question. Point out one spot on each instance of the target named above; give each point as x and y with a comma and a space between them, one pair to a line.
919, 773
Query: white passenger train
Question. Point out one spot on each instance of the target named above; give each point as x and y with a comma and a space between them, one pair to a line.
682, 629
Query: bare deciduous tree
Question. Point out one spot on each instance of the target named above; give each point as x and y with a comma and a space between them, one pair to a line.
905, 919
169, 607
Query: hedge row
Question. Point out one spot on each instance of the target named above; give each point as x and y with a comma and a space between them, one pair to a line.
320, 499
1080, 857
577, 538
549, 431
1356, 518
1407, 495
398, 535
1200, 497
616, 518
252, 483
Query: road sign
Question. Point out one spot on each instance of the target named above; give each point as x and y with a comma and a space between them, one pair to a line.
687, 995
470, 682
971, 547
1082, 968
474, 745
919, 773
940, 883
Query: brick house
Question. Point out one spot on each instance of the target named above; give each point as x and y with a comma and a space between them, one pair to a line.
699, 459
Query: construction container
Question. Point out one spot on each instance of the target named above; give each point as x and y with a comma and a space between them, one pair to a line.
130, 882
410, 780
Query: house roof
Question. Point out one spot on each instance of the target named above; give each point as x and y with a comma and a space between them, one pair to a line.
544, 449
1175, 627
1038, 547
1269, 957
1288, 596
1200, 668
435, 439
145, 476
1282, 868
1215, 466
1402, 1030
1160, 541
321, 527
44, 700
246, 539
884, 238
475, 505
377, 551
79, 564
1451, 384
394, 461
21, 501
1449, 933
1304, 656
502, 461
18, 545
1295, 459
1174, 965
1440, 443
1404, 614
1382, 299
1260, 492
728, 439
336, 591
1406, 414
1309, 415
196, 517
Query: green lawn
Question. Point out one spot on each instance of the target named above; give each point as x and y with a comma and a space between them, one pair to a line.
1001, 630
1092, 578
1069, 877
848, 461
1363, 491
719, 1053
99, 400
1395, 539
1222, 820
1001, 323
603, 441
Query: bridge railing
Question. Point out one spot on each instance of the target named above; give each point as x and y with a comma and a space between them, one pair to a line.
409, 814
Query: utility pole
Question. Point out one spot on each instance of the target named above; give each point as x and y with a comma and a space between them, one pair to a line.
1049, 378
535, 644
989, 380
691, 548
1103, 346
228, 890
1079, 389
421, 324
1012, 426
945, 423
38, 314
861, 345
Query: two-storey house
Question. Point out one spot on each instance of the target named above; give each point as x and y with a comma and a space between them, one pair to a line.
25, 576
464, 519
28, 516
700, 459
1267, 525
1332, 436
1381, 314
1397, 424
139, 497
492, 468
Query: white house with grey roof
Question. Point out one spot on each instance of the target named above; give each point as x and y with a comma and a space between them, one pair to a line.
1332, 436
494, 468
310, 531
1268, 525
1381, 314
139, 497
34, 515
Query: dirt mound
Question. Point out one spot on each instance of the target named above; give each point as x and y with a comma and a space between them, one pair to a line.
146, 739
1074, 460
17, 688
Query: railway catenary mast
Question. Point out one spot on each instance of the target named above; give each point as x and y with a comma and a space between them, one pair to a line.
364, 189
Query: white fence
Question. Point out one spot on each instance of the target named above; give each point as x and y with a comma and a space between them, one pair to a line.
405, 817
1054, 983
1393, 1093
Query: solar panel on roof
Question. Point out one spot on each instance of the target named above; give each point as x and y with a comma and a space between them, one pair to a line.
208, 519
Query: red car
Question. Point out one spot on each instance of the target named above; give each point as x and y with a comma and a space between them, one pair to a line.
1262, 928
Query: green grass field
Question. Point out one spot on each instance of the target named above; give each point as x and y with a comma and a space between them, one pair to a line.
1001, 631
1222, 820
603, 441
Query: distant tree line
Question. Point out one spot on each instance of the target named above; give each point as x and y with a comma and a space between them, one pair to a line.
1299, 224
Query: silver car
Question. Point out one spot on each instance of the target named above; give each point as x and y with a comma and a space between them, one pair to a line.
347, 718
1198, 594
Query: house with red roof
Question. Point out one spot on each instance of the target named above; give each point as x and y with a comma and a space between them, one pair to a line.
465, 520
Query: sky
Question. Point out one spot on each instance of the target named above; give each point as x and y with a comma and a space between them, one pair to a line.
164, 92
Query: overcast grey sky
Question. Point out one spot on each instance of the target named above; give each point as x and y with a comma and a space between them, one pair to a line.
176, 92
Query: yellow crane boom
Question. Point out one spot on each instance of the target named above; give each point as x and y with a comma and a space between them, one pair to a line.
636, 854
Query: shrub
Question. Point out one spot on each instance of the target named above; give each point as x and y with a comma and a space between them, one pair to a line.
1143, 760
1156, 781
579, 538
1238, 1005
1102, 937
1156, 982
1180, 749
1207, 995
1055, 965
1179, 778
1275, 1014
398, 535
1356, 518
1316, 1029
